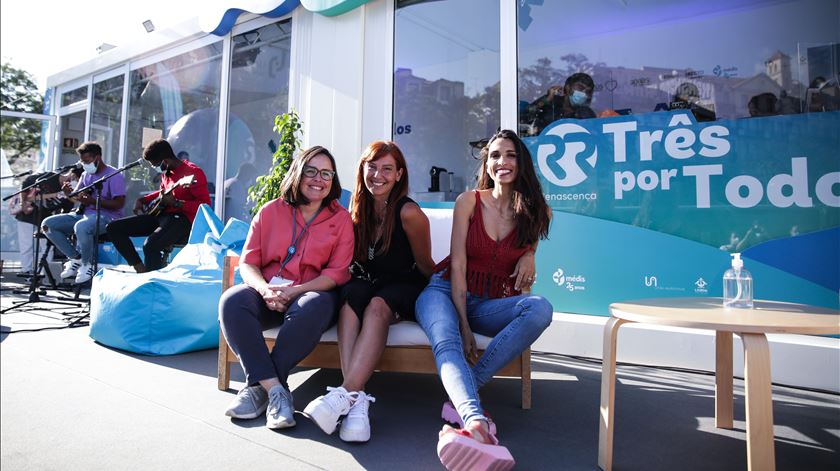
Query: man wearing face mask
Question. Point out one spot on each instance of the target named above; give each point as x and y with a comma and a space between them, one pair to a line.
574, 103
59, 228
171, 209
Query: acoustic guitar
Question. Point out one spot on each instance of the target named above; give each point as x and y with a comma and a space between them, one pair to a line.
155, 207
81, 209
28, 204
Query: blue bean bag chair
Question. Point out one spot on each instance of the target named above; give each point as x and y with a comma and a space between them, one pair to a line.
174, 309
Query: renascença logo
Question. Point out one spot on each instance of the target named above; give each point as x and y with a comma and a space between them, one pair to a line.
567, 161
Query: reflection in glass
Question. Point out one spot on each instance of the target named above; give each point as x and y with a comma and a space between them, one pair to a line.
722, 61
177, 99
259, 90
446, 89
709, 57
74, 96
106, 114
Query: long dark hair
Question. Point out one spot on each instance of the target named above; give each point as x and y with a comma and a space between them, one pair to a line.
290, 187
363, 212
530, 210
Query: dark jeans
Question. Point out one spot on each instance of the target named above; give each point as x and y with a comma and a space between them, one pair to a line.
163, 231
243, 316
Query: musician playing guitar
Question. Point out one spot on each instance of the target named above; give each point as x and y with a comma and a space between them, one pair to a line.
183, 187
28, 210
59, 228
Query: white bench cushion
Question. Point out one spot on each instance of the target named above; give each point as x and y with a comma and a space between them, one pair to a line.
400, 334
407, 333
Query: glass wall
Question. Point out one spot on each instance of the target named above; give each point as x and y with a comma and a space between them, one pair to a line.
259, 90
722, 60
106, 115
753, 85
446, 90
176, 99
74, 96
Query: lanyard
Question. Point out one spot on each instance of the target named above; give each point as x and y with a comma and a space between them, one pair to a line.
296, 238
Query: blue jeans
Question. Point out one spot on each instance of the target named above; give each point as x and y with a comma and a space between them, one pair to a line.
514, 323
59, 227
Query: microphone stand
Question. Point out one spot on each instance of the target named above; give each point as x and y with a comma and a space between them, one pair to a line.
21, 174
98, 186
34, 290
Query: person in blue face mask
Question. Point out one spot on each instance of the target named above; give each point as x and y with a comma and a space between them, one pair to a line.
573, 103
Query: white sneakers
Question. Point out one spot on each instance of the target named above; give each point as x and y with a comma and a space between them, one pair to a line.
71, 267
356, 426
82, 272
327, 409
85, 273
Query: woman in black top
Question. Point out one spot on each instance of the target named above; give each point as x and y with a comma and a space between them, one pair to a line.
392, 262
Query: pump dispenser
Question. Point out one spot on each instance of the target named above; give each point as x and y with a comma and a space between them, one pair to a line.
737, 285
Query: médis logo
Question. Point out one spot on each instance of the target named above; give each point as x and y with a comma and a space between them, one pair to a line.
578, 141
559, 277
570, 282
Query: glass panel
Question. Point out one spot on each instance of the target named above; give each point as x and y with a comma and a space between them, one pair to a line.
72, 128
651, 55
74, 96
177, 99
768, 61
259, 90
21, 153
446, 91
106, 115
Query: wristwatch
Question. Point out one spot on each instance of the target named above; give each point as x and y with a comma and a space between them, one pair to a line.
179, 204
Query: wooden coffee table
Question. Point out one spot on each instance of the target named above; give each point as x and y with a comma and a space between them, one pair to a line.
708, 313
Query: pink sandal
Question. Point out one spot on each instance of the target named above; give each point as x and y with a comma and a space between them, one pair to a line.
450, 415
458, 450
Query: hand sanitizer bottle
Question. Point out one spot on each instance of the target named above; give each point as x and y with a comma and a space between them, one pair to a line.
737, 285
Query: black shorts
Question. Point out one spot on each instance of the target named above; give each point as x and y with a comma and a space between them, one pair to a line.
399, 296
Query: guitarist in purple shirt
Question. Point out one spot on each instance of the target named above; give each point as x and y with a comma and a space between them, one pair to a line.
165, 215
60, 228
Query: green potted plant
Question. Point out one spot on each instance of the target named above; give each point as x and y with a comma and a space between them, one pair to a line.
267, 187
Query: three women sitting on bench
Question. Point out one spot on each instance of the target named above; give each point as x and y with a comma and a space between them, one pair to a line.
478, 288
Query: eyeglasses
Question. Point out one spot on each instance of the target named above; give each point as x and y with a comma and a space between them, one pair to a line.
310, 172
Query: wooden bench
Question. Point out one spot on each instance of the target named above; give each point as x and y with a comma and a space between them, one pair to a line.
407, 350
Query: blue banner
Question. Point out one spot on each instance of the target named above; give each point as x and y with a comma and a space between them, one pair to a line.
652, 205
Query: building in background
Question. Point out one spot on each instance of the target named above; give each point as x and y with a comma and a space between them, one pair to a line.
437, 75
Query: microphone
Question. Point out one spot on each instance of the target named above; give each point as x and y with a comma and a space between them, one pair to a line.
68, 167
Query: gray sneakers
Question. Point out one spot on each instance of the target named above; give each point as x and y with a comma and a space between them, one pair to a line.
281, 410
249, 403
326, 410
356, 426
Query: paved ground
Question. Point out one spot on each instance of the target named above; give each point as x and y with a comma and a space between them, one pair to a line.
69, 403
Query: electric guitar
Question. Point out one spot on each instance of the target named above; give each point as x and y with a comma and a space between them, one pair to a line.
155, 207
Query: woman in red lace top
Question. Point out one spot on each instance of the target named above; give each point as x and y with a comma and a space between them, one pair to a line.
479, 288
